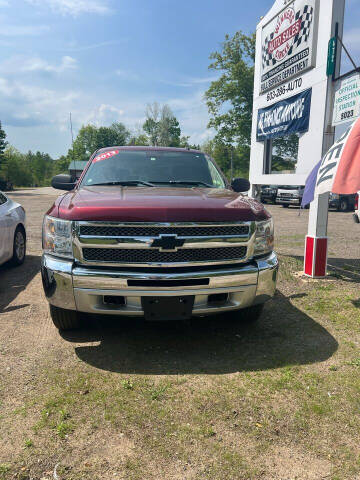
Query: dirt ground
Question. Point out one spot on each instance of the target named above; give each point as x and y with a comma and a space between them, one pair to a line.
279, 400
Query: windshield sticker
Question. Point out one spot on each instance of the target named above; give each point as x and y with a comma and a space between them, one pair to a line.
106, 155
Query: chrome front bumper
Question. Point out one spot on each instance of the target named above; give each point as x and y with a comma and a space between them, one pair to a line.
288, 200
74, 287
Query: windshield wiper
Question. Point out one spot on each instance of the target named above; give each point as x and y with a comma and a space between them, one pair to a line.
185, 182
124, 183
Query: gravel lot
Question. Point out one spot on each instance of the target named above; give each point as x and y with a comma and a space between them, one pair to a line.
30, 346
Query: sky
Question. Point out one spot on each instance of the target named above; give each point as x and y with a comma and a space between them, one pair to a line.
104, 60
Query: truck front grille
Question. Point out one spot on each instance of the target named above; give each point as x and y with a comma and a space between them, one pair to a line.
154, 231
171, 244
134, 256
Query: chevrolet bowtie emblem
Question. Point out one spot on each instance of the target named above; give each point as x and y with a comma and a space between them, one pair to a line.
167, 242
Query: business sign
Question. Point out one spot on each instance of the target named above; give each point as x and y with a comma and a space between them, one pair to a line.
288, 43
347, 101
285, 117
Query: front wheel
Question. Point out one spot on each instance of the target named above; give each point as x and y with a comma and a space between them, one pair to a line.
247, 315
64, 319
343, 206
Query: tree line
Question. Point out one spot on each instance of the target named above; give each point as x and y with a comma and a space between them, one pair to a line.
229, 100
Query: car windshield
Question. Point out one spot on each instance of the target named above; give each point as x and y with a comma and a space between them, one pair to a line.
153, 168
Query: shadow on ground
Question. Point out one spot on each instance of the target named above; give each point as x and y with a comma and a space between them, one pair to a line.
283, 336
13, 280
347, 269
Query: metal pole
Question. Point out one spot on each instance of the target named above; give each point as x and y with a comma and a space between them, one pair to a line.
316, 244
72, 143
231, 164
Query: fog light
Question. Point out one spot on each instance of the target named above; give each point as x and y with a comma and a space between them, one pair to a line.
114, 300
218, 298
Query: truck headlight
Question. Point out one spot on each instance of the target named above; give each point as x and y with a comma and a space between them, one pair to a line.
57, 237
264, 237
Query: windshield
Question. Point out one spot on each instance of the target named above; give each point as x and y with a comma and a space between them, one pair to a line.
153, 168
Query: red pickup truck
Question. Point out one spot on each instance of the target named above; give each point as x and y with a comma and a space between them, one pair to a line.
158, 233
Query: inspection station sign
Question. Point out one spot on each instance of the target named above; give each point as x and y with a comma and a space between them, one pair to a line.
347, 101
288, 43
285, 117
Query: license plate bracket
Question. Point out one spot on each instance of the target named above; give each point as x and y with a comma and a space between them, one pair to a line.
167, 308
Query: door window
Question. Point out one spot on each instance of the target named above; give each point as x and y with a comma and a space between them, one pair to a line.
3, 199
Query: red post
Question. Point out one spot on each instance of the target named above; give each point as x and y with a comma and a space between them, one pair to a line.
316, 249
316, 241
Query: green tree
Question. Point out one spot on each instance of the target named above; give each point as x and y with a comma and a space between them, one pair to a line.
41, 166
61, 164
3, 144
90, 138
28, 169
285, 153
230, 97
18, 170
221, 153
139, 139
184, 143
161, 126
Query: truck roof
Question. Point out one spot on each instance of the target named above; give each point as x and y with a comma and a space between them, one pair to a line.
151, 149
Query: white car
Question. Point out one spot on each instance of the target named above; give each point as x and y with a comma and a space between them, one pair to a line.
12, 231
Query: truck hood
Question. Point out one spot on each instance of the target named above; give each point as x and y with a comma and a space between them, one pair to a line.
156, 204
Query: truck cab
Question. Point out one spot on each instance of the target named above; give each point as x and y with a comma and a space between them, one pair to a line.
157, 233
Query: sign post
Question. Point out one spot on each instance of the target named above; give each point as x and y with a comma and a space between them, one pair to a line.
316, 241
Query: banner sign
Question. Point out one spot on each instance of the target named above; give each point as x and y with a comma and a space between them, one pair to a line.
288, 43
288, 116
339, 170
347, 101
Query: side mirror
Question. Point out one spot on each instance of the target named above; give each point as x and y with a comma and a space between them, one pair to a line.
63, 182
240, 185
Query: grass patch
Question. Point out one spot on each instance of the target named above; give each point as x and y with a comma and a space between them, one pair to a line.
220, 401
4, 469
28, 443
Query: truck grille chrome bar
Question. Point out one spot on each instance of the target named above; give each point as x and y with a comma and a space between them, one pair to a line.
162, 244
154, 231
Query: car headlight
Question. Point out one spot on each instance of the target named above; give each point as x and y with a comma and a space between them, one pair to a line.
264, 237
57, 237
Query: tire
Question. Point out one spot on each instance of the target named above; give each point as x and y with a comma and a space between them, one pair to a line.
247, 315
285, 205
64, 319
343, 206
19, 246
